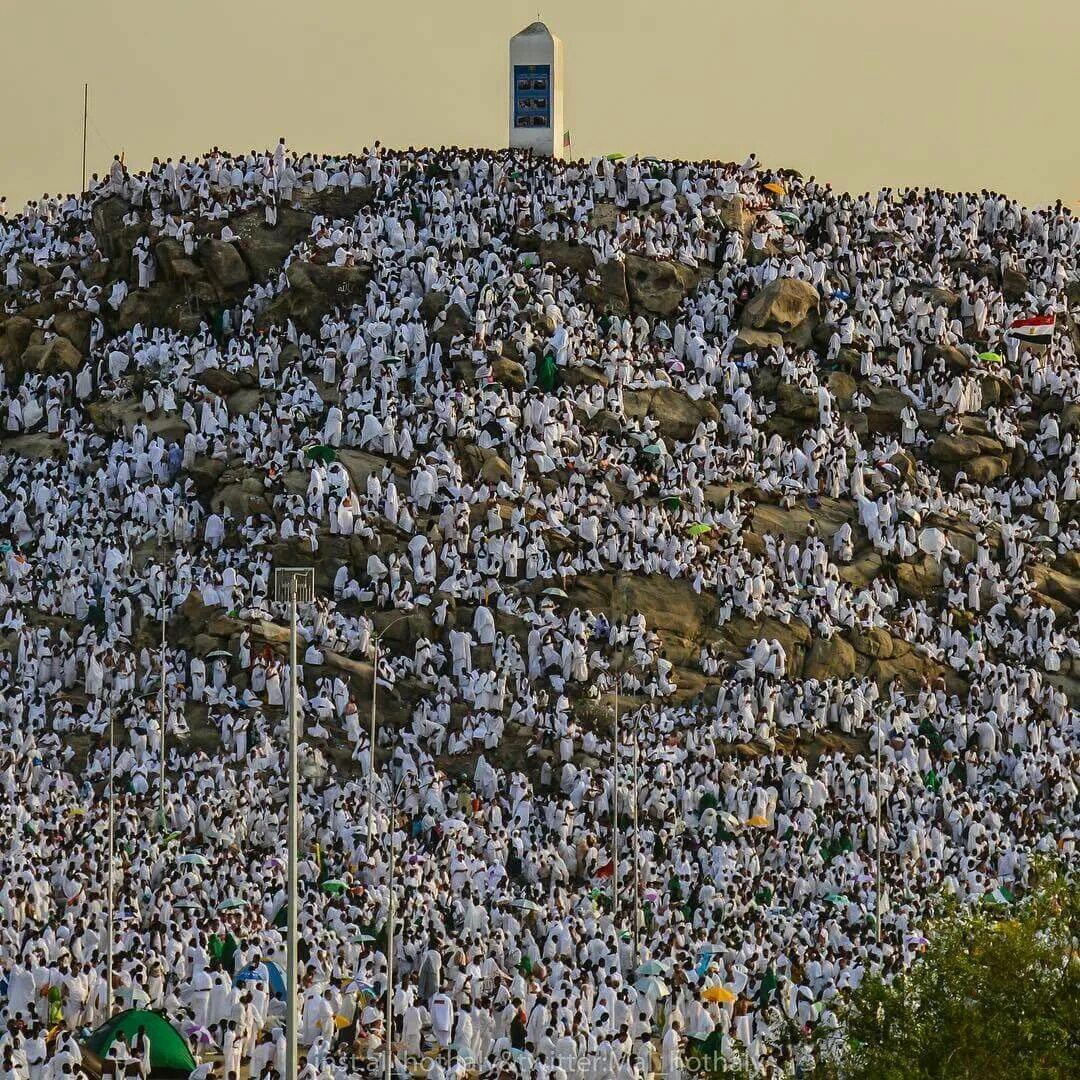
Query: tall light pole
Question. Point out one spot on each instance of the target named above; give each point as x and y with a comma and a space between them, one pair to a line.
371, 752
293, 585
615, 772
637, 841
110, 883
390, 802
615, 812
164, 715
877, 831
390, 945
85, 112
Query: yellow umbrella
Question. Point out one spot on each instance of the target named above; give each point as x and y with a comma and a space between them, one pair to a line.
758, 821
776, 189
340, 1022
718, 993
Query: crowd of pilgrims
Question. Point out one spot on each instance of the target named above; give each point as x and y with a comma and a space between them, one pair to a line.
758, 873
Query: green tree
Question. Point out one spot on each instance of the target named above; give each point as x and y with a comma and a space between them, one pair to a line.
996, 996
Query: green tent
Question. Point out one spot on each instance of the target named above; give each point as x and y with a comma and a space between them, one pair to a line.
169, 1052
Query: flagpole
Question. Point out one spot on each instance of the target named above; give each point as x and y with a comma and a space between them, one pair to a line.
85, 111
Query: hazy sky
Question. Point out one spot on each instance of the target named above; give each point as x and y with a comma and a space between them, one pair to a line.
954, 93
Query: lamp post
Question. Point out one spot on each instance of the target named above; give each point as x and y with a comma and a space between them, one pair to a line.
637, 841
615, 810
164, 716
110, 882
877, 831
293, 585
390, 802
617, 663
371, 755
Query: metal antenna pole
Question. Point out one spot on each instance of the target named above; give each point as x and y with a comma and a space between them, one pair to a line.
877, 870
85, 110
291, 900
637, 843
371, 751
615, 778
390, 951
164, 718
293, 585
615, 813
112, 859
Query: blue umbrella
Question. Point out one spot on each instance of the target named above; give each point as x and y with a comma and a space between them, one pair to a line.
275, 974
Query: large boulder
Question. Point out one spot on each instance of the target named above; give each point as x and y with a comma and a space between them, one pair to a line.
205, 473
37, 447
886, 405
452, 322
265, 250
54, 357
678, 413
829, 658
1014, 285
748, 340
919, 580
495, 471
610, 296
565, 255
174, 263
735, 216
950, 449
787, 306
843, 388
15, 335
658, 288
314, 290
108, 218
224, 264
75, 326
242, 493
873, 642
508, 373
986, 468
795, 403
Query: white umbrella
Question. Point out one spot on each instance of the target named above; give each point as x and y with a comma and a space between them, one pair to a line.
652, 987
932, 541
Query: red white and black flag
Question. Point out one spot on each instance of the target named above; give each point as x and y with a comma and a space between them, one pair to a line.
1034, 329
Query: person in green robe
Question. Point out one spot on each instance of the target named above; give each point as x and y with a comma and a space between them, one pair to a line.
547, 374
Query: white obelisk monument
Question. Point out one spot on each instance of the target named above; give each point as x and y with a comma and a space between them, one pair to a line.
536, 92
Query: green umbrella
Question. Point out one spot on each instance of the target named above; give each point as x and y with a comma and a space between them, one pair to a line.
992, 357
699, 529
653, 451
193, 859
170, 1055
787, 217
325, 454
553, 591
231, 904
526, 905
615, 157
651, 967
334, 886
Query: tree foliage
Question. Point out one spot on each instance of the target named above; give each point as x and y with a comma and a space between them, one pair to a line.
996, 996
